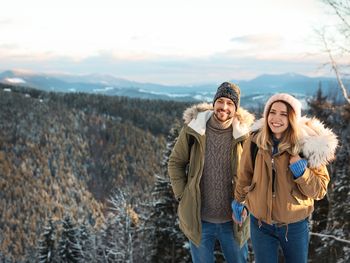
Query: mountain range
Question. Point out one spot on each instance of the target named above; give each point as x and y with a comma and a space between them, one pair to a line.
254, 91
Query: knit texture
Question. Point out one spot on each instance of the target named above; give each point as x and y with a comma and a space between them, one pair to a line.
230, 91
216, 182
298, 168
293, 102
237, 209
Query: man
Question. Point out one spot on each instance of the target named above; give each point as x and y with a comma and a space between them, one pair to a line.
210, 143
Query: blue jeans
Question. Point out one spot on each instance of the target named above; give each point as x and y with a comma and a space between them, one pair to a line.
224, 233
293, 239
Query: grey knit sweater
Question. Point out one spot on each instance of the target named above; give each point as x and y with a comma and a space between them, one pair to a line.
216, 182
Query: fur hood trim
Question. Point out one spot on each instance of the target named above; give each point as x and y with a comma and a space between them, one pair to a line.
318, 143
197, 116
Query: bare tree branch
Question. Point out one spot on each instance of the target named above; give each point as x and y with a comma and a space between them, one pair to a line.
330, 236
338, 6
336, 71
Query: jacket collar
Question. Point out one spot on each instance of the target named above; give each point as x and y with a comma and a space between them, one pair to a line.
196, 117
318, 143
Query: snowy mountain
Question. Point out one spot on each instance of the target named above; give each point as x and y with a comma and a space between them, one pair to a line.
254, 91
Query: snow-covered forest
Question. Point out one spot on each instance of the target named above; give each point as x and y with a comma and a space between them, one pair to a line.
133, 218
153, 233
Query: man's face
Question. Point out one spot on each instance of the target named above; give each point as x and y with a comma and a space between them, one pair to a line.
224, 109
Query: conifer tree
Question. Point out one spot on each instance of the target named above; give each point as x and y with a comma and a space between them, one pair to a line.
4, 259
98, 252
338, 219
69, 248
332, 215
120, 231
167, 242
86, 243
46, 248
110, 249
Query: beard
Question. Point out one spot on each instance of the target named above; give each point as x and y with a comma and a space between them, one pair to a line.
223, 116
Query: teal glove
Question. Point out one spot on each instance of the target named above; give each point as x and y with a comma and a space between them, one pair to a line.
298, 168
237, 209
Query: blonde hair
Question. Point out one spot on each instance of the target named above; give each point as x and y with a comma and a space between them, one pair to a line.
290, 138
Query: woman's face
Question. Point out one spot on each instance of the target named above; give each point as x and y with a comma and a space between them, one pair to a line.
277, 119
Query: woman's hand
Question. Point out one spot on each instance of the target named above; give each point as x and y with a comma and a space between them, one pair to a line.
297, 166
294, 158
239, 212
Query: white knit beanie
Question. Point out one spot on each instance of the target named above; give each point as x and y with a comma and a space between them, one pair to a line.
293, 102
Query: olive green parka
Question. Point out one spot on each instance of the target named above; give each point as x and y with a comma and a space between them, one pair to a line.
186, 186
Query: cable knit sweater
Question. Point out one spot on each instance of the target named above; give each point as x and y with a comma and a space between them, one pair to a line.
216, 181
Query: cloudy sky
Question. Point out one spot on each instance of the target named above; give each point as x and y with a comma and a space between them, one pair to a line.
163, 41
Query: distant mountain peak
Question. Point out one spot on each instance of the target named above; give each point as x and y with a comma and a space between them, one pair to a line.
285, 77
107, 84
294, 75
18, 72
14, 80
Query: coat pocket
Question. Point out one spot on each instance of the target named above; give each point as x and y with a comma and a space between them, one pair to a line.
301, 199
186, 209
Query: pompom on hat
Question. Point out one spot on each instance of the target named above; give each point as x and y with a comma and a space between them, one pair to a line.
293, 102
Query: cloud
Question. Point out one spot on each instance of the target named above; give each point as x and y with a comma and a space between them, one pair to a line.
148, 67
260, 39
8, 46
5, 21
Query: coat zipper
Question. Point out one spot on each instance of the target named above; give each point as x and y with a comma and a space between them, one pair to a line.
273, 177
199, 177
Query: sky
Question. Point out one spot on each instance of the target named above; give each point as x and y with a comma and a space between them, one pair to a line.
163, 41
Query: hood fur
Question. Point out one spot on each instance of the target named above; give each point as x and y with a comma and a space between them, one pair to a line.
192, 112
197, 116
318, 143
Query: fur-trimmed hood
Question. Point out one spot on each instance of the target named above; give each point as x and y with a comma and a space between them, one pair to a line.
318, 143
197, 116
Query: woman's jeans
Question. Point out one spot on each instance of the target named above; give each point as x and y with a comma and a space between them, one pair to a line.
224, 233
266, 239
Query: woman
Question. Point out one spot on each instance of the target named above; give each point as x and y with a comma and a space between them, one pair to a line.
289, 173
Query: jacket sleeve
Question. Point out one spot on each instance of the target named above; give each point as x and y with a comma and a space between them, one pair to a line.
313, 183
177, 163
245, 173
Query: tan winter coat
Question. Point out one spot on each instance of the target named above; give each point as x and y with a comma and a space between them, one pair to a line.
294, 199
186, 186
